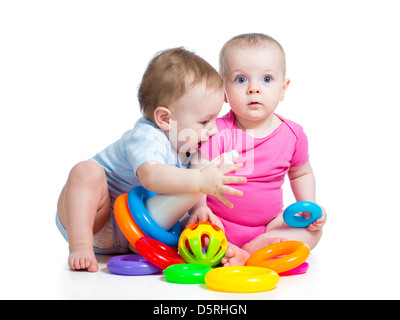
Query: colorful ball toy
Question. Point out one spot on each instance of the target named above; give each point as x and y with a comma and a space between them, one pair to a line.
202, 243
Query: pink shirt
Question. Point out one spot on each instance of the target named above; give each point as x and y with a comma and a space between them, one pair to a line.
266, 162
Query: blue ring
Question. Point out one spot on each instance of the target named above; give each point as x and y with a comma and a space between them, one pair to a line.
290, 218
137, 196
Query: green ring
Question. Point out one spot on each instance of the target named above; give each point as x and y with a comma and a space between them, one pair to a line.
186, 273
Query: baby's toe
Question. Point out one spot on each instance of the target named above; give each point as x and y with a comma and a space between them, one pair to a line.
230, 253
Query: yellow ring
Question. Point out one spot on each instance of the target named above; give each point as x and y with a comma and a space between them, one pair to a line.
241, 279
294, 254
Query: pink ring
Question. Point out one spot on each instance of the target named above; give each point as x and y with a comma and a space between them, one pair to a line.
303, 268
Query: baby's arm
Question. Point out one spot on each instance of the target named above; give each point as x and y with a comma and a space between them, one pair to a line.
200, 211
302, 182
168, 179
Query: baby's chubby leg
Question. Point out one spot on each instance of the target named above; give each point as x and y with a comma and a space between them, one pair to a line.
83, 208
277, 230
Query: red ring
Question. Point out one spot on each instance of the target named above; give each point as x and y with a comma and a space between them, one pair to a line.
157, 252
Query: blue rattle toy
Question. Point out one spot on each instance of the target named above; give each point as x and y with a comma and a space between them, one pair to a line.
290, 218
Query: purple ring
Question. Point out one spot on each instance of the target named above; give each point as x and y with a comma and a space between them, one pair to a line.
131, 265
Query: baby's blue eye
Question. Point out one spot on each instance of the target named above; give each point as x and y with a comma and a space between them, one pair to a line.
267, 79
240, 79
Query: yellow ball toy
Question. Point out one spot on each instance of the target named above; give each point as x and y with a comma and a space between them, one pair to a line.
201, 235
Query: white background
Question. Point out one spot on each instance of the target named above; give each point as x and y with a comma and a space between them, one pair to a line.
69, 72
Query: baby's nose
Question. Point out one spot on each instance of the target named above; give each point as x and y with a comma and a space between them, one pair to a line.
253, 88
213, 130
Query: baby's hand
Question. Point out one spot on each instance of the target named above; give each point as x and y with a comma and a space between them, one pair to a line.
318, 224
204, 213
214, 182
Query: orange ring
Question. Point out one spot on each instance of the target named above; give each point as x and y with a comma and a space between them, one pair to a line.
294, 254
123, 216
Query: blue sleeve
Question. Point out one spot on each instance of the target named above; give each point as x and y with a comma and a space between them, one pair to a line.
147, 143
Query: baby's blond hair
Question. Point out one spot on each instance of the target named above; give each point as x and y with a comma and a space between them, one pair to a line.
249, 40
169, 75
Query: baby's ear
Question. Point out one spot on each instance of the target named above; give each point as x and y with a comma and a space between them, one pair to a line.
284, 88
162, 118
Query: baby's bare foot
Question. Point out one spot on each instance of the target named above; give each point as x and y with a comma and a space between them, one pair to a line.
270, 241
82, 258
260, 242
234, 256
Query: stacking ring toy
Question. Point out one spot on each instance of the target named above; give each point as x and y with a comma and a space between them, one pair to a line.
241, 279
131, 265
192, 241
294, 254
290, 218
157, 252
124, 219
137, 196
186, 273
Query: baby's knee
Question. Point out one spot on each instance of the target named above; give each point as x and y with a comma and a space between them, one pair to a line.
88, 172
